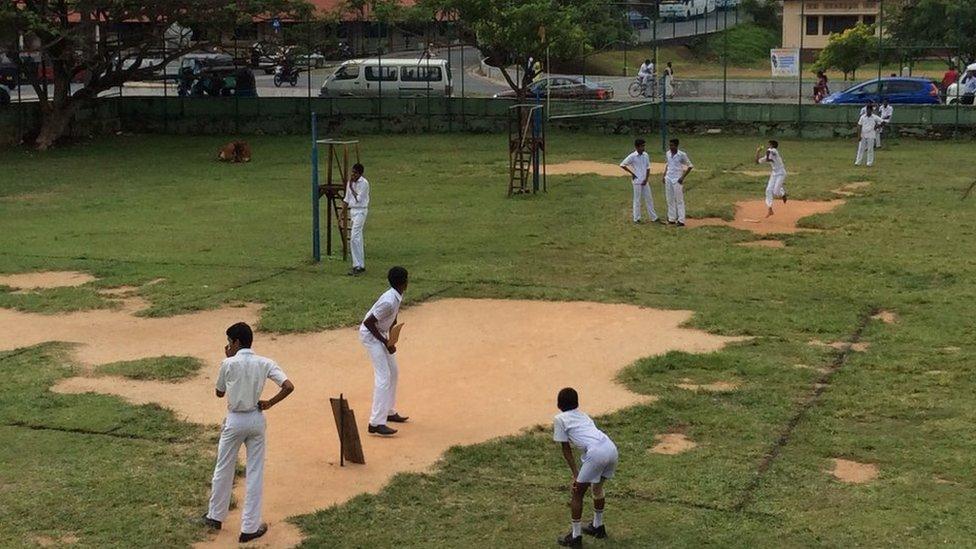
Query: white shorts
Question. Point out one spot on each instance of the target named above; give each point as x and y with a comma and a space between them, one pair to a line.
599, 464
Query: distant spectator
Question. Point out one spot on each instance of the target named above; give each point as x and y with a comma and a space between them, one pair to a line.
669, 80
646, 76
969, 92
536, 70
822, 88
949, 78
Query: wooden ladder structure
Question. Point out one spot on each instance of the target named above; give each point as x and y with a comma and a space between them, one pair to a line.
526, 150
335, 190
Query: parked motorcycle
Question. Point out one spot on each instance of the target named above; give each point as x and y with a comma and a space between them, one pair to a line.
285, 73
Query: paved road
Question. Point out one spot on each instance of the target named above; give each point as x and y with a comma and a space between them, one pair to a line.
669, 30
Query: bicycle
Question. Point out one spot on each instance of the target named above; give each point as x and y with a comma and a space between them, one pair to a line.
638, 88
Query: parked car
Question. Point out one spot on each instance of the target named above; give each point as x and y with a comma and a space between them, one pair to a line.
954, 92
398, 77
898, 90
726, 4
565, 87
9, 72
638, 20
684, 9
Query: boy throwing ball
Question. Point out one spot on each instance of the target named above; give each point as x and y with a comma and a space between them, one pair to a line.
777, 178
571, 427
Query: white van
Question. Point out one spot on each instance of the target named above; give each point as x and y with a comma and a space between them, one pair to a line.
397, 77
685, 9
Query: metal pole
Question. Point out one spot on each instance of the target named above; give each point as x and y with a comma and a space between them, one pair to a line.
799, 92
725, 64
664, 121
880, 41
463, 125
316, 245
379, 97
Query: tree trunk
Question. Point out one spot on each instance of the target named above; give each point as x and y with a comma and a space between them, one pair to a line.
55, 122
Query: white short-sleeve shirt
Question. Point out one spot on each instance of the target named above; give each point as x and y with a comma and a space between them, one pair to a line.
869, 126
578, 429
676, 164
361, 200
386, 309
887, 113
775, 161
639, 164
242, 378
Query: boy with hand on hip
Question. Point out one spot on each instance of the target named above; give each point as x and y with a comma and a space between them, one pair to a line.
571, 427
638, 165
678, 168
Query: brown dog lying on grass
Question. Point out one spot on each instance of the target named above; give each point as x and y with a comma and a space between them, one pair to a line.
235, 151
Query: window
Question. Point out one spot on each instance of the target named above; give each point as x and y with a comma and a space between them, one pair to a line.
869, 20
870, 88
901, 86
420, 73
377, 73
838, 23
347, 72
813, 25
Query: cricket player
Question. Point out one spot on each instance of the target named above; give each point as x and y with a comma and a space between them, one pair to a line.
868, 124
638, 165
571, 427
374, 333
241, 379
678, 168
357, 200
886, 111
776, 187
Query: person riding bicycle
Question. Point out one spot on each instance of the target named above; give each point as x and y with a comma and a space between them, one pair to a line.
645, 75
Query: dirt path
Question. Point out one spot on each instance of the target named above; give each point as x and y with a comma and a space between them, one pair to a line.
45, 279
750, 216
578, 167
471, 370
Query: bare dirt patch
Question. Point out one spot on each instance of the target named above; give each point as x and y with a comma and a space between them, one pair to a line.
45, 279
757, 173
671, 444
858, 347
851, 188
121, 291
716, 387
853, 472
763, 244
48, 541
750, 216
580, 167
455, 376
888, 317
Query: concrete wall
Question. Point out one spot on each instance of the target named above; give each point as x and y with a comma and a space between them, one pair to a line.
286, 115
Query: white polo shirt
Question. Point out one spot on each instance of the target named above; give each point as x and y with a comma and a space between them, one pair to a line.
869, 126
639, 164
887, 113
676, 164
775, 161
386, 309
578, 429
242, 378
361, 200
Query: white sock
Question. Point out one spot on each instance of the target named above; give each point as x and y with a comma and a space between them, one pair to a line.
577, 529
597, 518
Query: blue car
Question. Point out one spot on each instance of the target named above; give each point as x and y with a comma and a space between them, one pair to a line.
898, 90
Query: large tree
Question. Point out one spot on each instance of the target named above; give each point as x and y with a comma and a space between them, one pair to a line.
942, 27
105, 43
508, 32
848, 50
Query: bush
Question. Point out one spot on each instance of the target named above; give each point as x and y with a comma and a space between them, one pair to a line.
764, 13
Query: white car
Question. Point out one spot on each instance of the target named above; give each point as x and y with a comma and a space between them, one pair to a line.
955, 91
684, 9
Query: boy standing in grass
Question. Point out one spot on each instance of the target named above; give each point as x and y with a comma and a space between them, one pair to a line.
678, 168
868, 125
571, 427
241, 378
776, 187
638, 165
357, 200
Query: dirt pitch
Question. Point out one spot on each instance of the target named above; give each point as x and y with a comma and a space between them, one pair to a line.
750, 215
471, 370
580, 167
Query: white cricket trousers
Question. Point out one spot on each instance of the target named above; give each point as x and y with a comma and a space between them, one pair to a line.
358, 218
385, 373
776, 188
674, 192
247, 428
865, 148
643, 191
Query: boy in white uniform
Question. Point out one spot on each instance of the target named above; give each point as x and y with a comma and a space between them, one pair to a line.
374, 333
886, 111
571, 427
241, 378
776, 187
357, 200
646, 75
638, 165
678, 168
868, 125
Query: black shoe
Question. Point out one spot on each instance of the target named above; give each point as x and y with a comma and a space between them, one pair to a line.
397, 418
598, 532
784, 199
381, 430
660, 221
680, 224
262, 530
569, 541
356, 271
210, 523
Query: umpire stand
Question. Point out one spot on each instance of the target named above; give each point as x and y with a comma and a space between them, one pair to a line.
333, 189
526, 149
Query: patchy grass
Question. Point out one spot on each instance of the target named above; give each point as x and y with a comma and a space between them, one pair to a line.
160, 368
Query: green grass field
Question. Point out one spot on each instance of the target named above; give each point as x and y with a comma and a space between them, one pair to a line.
100, 472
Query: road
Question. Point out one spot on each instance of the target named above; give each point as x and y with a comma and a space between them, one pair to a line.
671, 30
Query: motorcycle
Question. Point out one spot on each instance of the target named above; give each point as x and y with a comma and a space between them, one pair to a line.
284, 74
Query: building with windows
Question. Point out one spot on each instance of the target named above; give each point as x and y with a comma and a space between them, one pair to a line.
813, 21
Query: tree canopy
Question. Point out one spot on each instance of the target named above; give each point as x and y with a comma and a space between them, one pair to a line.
947, 27
848, 50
